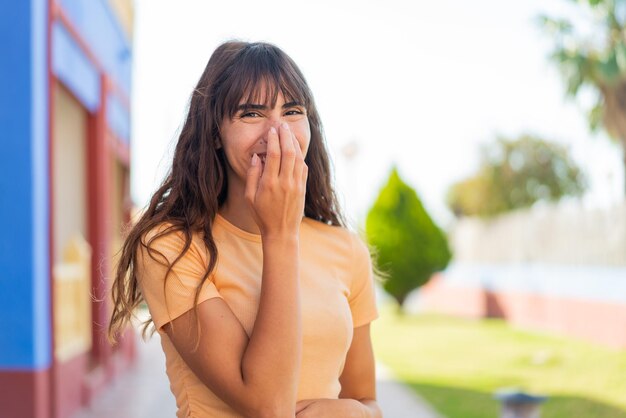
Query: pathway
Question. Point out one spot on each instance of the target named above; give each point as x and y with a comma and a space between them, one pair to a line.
144, 392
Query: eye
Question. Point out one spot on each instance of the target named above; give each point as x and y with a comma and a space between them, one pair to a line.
292, 112
250, 115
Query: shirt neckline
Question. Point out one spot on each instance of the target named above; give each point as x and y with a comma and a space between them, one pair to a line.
245, 234
236, 230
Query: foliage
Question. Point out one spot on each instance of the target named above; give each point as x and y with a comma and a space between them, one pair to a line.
516, 174
462, 363
408, 244
592, 52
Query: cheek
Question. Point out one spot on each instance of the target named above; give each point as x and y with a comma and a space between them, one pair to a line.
239, 140
303, 134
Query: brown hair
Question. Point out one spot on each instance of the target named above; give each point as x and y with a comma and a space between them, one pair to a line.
196, 186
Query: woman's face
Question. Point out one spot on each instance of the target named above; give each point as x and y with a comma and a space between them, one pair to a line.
246, 133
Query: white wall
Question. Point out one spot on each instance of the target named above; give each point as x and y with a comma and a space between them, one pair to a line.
69, 169
563, 234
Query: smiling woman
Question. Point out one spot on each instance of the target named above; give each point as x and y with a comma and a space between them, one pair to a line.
261, 296
247, 132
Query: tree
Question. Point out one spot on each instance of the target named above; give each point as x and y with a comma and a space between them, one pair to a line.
515, 174
597, 60
409, 246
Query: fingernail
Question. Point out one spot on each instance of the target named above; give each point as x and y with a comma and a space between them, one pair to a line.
284, 124
255, 160
273, 130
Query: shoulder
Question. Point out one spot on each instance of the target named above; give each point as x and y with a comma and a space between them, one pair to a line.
317, 229
338, 239
171, 241
164, 230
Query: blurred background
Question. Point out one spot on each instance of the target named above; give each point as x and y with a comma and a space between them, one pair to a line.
479, 147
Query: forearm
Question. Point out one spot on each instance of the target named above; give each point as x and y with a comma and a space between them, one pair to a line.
370, 409
364, 408
343, 407
272, 357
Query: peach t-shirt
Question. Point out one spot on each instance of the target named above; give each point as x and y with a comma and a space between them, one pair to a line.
336, 289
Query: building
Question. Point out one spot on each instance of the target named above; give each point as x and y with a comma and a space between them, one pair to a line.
64, 131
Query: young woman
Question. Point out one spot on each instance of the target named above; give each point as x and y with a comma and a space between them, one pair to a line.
261, 296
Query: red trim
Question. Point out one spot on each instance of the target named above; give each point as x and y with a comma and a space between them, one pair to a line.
98, 224
120, 149
69, 385
25, 394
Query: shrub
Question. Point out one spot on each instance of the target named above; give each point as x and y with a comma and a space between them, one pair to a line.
410, 247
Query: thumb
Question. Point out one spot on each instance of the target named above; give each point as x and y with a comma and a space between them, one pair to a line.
252, 179
303, 404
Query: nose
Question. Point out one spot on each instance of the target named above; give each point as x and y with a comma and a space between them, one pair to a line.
275, 121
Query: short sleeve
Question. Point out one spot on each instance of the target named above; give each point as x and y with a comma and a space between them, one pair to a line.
362, 297
168, 298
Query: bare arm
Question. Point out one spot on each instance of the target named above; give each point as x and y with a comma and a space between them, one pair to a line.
358, 380
258, 376
357, 398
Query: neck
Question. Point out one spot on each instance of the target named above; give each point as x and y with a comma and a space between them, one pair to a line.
236, 210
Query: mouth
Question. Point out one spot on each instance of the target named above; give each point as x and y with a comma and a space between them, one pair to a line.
262, 156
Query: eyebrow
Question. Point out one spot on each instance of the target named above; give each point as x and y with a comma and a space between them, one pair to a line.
248, 106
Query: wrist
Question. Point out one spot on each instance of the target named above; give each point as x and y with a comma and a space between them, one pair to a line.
280, 237
280, 247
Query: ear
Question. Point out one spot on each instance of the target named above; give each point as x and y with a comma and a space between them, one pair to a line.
218, 143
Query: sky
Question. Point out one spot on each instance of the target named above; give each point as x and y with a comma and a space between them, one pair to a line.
419, 85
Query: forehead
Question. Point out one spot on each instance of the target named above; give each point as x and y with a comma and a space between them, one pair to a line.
268, 93
262, 103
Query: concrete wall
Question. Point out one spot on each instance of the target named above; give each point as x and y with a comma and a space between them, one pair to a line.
557, 269
565, 234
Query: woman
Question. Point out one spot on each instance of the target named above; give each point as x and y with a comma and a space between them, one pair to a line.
261, 297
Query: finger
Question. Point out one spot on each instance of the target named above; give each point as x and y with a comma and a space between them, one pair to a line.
287, 149
299, 159
296, 145
301, 405
272, 159
252, 179
305, 176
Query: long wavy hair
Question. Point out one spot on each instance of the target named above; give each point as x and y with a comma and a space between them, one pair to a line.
196, 185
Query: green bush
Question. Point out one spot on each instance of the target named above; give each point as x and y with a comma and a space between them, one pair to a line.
409, 246
515, 174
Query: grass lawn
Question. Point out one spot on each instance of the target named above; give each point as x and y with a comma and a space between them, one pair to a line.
457, 364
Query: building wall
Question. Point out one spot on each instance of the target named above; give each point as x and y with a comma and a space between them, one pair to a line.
565, 234
557, 269
69, 170
64, 114
25, 325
